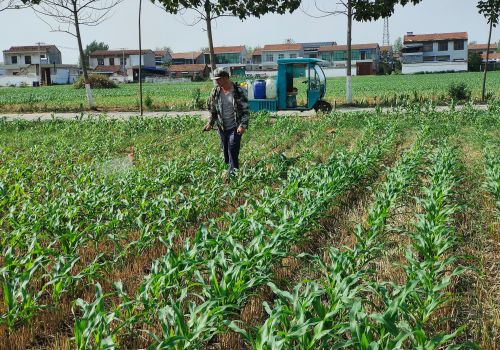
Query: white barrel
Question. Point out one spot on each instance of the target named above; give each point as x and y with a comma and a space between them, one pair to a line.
271, 91
250, 89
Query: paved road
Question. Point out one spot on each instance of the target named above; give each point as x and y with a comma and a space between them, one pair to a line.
205, 114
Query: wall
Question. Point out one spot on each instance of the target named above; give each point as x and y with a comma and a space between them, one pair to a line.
17, 80
276, 56
338, 72
64, 76
434, 67
454, 54
148, 60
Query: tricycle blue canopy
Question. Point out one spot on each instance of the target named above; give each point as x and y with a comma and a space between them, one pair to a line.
286, 92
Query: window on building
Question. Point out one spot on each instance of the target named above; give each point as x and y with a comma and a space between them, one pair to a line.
27, 59
429, 58
227, 58
443, 46
442, 58
100, 61
13, 59
362, 55
339, 55
281, 55
293, 55
269, 57
326, 56
428, 47
123, 61
111, 61
458, 45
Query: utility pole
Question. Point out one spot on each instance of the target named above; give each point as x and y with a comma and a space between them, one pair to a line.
39, 73
140, 57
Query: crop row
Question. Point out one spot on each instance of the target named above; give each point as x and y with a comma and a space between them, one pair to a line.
327, 314
193, 289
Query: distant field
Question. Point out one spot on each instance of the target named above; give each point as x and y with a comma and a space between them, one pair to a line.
368, 91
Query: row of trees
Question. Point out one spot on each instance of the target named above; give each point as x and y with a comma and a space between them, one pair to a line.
68, 15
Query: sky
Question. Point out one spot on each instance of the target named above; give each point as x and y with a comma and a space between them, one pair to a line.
159, 29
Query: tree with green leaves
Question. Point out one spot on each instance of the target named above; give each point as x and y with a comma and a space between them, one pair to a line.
474, 62
357, 10
92, 47
209, 10
491, 11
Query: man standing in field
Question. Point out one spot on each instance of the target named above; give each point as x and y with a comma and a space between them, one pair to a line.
228, 106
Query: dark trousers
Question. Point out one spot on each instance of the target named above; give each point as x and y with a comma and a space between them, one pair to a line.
230, 142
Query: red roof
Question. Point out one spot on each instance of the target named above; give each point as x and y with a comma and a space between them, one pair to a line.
417, 38
282, 47
186, 55
386, 48
29, 48
108, 69
117, 53
492, 56
344, 47
257, 52
188, 67
228, 49
493, 46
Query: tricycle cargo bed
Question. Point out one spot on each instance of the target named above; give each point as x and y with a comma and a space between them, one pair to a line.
270, 105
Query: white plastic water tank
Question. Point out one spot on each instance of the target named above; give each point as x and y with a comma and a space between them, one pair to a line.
250, 89
271, 91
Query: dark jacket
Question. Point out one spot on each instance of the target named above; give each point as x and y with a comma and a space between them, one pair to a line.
241, 113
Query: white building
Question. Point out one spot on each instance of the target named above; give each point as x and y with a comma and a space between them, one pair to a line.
36, 64
439, 52
124, 62
35, 60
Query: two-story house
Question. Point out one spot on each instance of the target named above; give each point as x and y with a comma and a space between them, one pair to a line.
438, 52
365, 59
192, 57
232, 58
35, 60
122, 62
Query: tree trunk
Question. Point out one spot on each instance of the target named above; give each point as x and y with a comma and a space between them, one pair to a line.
88, 90
349, 53
208, 19
486, 65
140, 60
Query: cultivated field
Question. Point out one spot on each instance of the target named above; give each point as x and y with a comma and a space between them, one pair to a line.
358, 231
367, 90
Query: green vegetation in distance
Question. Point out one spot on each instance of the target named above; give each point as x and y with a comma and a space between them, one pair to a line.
368, 91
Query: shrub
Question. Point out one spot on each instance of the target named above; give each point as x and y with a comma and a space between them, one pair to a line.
459, 91
196, 100
97, 81
148, 101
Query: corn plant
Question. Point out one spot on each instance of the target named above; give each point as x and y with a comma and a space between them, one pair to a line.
94, 328
492, 183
